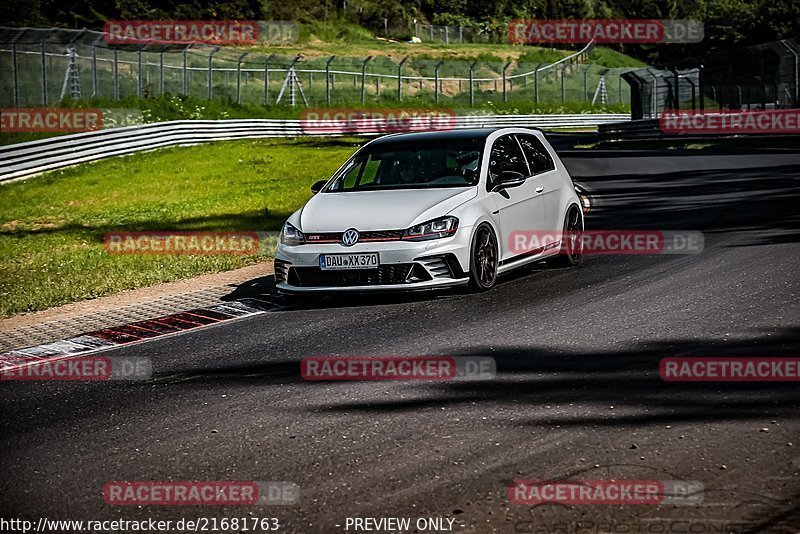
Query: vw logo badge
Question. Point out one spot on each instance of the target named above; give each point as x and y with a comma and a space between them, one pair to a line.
350, 237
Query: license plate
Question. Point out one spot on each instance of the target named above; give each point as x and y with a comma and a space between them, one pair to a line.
332, 262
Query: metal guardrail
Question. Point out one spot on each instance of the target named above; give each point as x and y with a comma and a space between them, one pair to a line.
23, 160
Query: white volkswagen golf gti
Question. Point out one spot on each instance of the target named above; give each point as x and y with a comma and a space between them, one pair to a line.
430, 210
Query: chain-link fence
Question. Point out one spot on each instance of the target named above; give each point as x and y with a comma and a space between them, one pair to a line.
757, 77
42, 67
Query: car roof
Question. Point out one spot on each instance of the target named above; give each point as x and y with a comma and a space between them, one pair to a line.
439, 135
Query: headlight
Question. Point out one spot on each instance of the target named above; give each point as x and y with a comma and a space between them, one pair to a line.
291, 235
435, 229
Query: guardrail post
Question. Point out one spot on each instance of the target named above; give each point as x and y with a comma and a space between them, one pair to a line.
363, 79
436, 81
400, 79
505, 96
471, 89
266, 78
44, 73
328, 80
213, 51
239, 77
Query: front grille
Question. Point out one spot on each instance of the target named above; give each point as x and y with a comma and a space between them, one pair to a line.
399, 273
363, 237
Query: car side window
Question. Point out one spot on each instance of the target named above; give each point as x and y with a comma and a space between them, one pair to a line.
505, 156
538, 158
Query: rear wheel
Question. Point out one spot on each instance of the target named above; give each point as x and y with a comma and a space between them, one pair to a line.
483, 259
571, 252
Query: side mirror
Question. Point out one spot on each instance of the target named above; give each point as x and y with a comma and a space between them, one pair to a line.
509, 179
318, 185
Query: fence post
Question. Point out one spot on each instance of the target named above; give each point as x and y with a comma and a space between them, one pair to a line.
44, 73
436, 82
691, 84
94, 69
328, 80
161, 72
116, 74
139, 72
14, 74
400, 79
585, 85
461, 34
213, 51
536, 83
185, 80
619, 89
266, 78
563, 82
239, 77
363, 79
505, 96
447, 35
795, 73
471, 91
430, 27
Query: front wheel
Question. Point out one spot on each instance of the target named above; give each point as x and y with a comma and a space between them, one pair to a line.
571, 253
483, 259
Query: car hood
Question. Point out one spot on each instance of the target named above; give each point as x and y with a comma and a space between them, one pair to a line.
380, 210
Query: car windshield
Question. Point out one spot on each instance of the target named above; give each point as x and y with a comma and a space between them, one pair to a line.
454, 163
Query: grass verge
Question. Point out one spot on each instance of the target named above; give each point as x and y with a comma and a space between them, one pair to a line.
52, 226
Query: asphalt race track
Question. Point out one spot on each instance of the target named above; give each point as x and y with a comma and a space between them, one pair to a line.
578, 393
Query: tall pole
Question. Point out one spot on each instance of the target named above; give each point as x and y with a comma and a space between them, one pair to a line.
436, 81
266, 78
363, 79
471, 89
328, 80
210, 71
400, 79
505, 96
239, 77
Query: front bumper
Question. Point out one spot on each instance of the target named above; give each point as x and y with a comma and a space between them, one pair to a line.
403, 266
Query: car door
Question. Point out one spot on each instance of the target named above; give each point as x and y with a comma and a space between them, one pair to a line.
518, 209
546, 179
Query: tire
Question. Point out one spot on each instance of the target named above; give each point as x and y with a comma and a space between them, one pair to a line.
483, 259
571, 252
